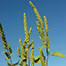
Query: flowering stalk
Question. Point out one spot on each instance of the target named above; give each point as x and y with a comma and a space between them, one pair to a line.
28, 56
27, 36
47, 39
38, 59
40, 28
6, 46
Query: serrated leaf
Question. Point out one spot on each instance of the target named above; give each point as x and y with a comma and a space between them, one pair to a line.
58, 54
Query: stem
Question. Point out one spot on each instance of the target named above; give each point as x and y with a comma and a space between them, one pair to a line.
46, 48
47, 61
10, 60
7, 50
28, 57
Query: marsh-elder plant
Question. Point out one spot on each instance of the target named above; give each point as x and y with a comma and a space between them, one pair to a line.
42, 27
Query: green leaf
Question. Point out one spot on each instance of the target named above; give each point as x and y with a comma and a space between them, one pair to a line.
6, 53
58, 54
37, 59
42, 54
42, 47
24, 60
8, 63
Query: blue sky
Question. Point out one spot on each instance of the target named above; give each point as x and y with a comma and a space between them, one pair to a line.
11, 18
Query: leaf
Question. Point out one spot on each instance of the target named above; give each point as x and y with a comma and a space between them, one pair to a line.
24, 60
41, 52
6, 53
58, 54
42, 47
37, 59
8, 63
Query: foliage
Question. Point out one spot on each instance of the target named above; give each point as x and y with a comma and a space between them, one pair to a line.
41, 58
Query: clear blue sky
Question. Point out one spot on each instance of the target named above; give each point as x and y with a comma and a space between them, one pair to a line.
11, 18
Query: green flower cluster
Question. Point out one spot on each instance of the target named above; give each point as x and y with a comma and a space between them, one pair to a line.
40, 27
8, 50
41, 33
19, 52
27, 34
37, 14
46, 33
42, 57
32, 53
23, 54
46, 25
25, 50
3, 37
6, 46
